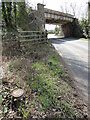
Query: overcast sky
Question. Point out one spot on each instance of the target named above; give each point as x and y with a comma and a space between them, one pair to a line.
59, 4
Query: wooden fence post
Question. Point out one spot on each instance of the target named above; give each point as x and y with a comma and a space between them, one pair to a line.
19, 37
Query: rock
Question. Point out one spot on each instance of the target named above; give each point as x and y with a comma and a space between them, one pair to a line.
11, 114
85, 115
35, 117
75, 94
85, 104
59, 97
53, 110
4, 80
11, 81
17, 93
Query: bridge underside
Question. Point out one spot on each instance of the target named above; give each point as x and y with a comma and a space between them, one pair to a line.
72, 29
56, 22
68, 29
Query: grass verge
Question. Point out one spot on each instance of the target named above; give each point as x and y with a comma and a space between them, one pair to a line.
83, 38
38, 70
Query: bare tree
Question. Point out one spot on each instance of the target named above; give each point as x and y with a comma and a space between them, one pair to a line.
73, 7
64, 8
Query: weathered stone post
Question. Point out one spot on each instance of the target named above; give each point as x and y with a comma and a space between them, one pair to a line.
40, 9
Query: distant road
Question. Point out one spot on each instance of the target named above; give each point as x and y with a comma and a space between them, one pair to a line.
75, 54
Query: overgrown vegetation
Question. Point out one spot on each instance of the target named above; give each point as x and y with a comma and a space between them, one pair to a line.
15, 15
50, 31
85, 26
38, 70
57, 30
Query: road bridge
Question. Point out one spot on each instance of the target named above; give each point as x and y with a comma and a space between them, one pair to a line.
69, 25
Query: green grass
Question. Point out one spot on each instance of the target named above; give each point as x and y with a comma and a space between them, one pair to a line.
67, 109
83, 38
43, 84
44, 81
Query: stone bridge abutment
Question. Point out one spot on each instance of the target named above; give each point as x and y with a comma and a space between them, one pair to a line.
72, 29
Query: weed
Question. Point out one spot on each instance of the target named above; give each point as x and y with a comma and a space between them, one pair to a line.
67, 109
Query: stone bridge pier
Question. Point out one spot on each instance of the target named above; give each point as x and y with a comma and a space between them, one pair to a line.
71, 29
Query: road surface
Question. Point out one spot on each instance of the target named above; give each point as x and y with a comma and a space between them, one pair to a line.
75, 55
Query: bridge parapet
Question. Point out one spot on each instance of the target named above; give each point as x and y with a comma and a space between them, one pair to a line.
51, 15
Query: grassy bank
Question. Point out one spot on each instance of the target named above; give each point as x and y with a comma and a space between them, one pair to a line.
38, 70
83, 38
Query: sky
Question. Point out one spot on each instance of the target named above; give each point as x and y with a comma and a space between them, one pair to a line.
59, 4
62, 5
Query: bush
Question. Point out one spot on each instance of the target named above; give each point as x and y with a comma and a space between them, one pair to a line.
85, 27
57, 30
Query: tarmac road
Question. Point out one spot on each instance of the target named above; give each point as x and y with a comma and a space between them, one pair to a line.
74, 52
